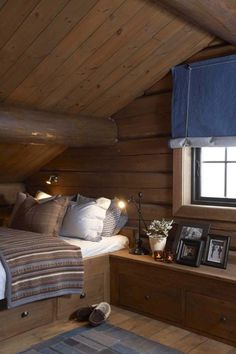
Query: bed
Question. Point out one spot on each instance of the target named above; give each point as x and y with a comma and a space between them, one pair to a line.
96, 288
88, 249
86, 223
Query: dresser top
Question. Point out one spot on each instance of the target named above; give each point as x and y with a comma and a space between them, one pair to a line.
227, 275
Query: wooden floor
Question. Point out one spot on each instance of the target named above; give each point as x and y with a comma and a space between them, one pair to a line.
161, 332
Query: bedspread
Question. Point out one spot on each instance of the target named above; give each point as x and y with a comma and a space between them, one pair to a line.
38, 266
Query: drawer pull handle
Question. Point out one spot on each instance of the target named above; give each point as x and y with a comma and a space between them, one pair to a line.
223, 319
25, 314
147, 297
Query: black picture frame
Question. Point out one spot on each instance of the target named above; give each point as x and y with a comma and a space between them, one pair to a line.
216, 251
190, 252
190, 230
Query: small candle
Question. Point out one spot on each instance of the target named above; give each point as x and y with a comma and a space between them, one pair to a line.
169, 257
158, 255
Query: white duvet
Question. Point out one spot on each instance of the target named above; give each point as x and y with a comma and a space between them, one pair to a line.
88, 249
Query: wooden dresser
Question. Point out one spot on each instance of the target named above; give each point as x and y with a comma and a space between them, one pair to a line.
199, 299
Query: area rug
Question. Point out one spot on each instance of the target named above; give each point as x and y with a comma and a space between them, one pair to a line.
105, 339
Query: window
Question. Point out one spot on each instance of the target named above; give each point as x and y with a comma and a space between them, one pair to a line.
214, 176
183, 207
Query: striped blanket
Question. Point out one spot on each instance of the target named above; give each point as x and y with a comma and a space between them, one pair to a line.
38, 266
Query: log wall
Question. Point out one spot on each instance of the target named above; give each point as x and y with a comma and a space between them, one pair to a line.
140, 161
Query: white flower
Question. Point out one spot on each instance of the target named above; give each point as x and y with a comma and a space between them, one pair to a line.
161, 227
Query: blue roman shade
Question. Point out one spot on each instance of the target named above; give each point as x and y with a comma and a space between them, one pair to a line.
204, 103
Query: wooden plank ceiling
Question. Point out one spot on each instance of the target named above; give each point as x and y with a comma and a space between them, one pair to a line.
88, 56
19, 161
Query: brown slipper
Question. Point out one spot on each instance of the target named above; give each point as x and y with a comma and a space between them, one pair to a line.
83, 313
100, 314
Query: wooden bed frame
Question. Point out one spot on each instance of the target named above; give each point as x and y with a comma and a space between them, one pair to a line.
39, 313
29, 316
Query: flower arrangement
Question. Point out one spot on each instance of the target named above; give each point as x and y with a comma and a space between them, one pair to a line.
159, 228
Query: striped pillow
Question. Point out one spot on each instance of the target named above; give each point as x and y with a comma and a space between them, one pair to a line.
121, 222
115, 219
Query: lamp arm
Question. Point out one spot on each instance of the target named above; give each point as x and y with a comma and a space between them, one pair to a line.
139, 212
138, 249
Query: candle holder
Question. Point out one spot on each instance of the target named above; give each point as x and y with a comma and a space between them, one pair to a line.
158, 255
168, 256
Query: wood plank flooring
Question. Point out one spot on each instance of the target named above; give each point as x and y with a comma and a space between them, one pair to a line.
161, 332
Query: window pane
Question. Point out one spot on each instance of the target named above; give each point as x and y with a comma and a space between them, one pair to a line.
213, 154
212, 180
231, 154
231, 180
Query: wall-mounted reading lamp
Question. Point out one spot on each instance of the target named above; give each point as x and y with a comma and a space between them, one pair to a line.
52, 179
138, 248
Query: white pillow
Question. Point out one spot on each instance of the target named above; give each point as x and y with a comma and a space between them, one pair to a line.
85, 221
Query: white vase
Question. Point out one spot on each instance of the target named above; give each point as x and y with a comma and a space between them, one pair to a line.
157, 243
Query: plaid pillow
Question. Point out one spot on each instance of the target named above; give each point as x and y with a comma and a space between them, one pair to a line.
42, 217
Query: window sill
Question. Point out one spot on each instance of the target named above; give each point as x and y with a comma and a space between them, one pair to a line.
206, 212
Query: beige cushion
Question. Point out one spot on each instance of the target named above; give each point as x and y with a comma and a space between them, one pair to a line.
42, 195
40, 216
20, 198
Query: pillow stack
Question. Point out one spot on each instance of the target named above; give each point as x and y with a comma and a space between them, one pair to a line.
86, 218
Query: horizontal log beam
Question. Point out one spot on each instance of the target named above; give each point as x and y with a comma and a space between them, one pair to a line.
218, 17
19, 125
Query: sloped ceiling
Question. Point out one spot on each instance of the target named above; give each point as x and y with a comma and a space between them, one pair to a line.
88, 56
19, 161
217, 17
83, 56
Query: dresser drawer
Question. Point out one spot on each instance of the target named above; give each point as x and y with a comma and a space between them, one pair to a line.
148, 297
26, 317
211, 315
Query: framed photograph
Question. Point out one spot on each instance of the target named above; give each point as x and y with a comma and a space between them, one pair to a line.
190, 252
216, 251
190, 231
